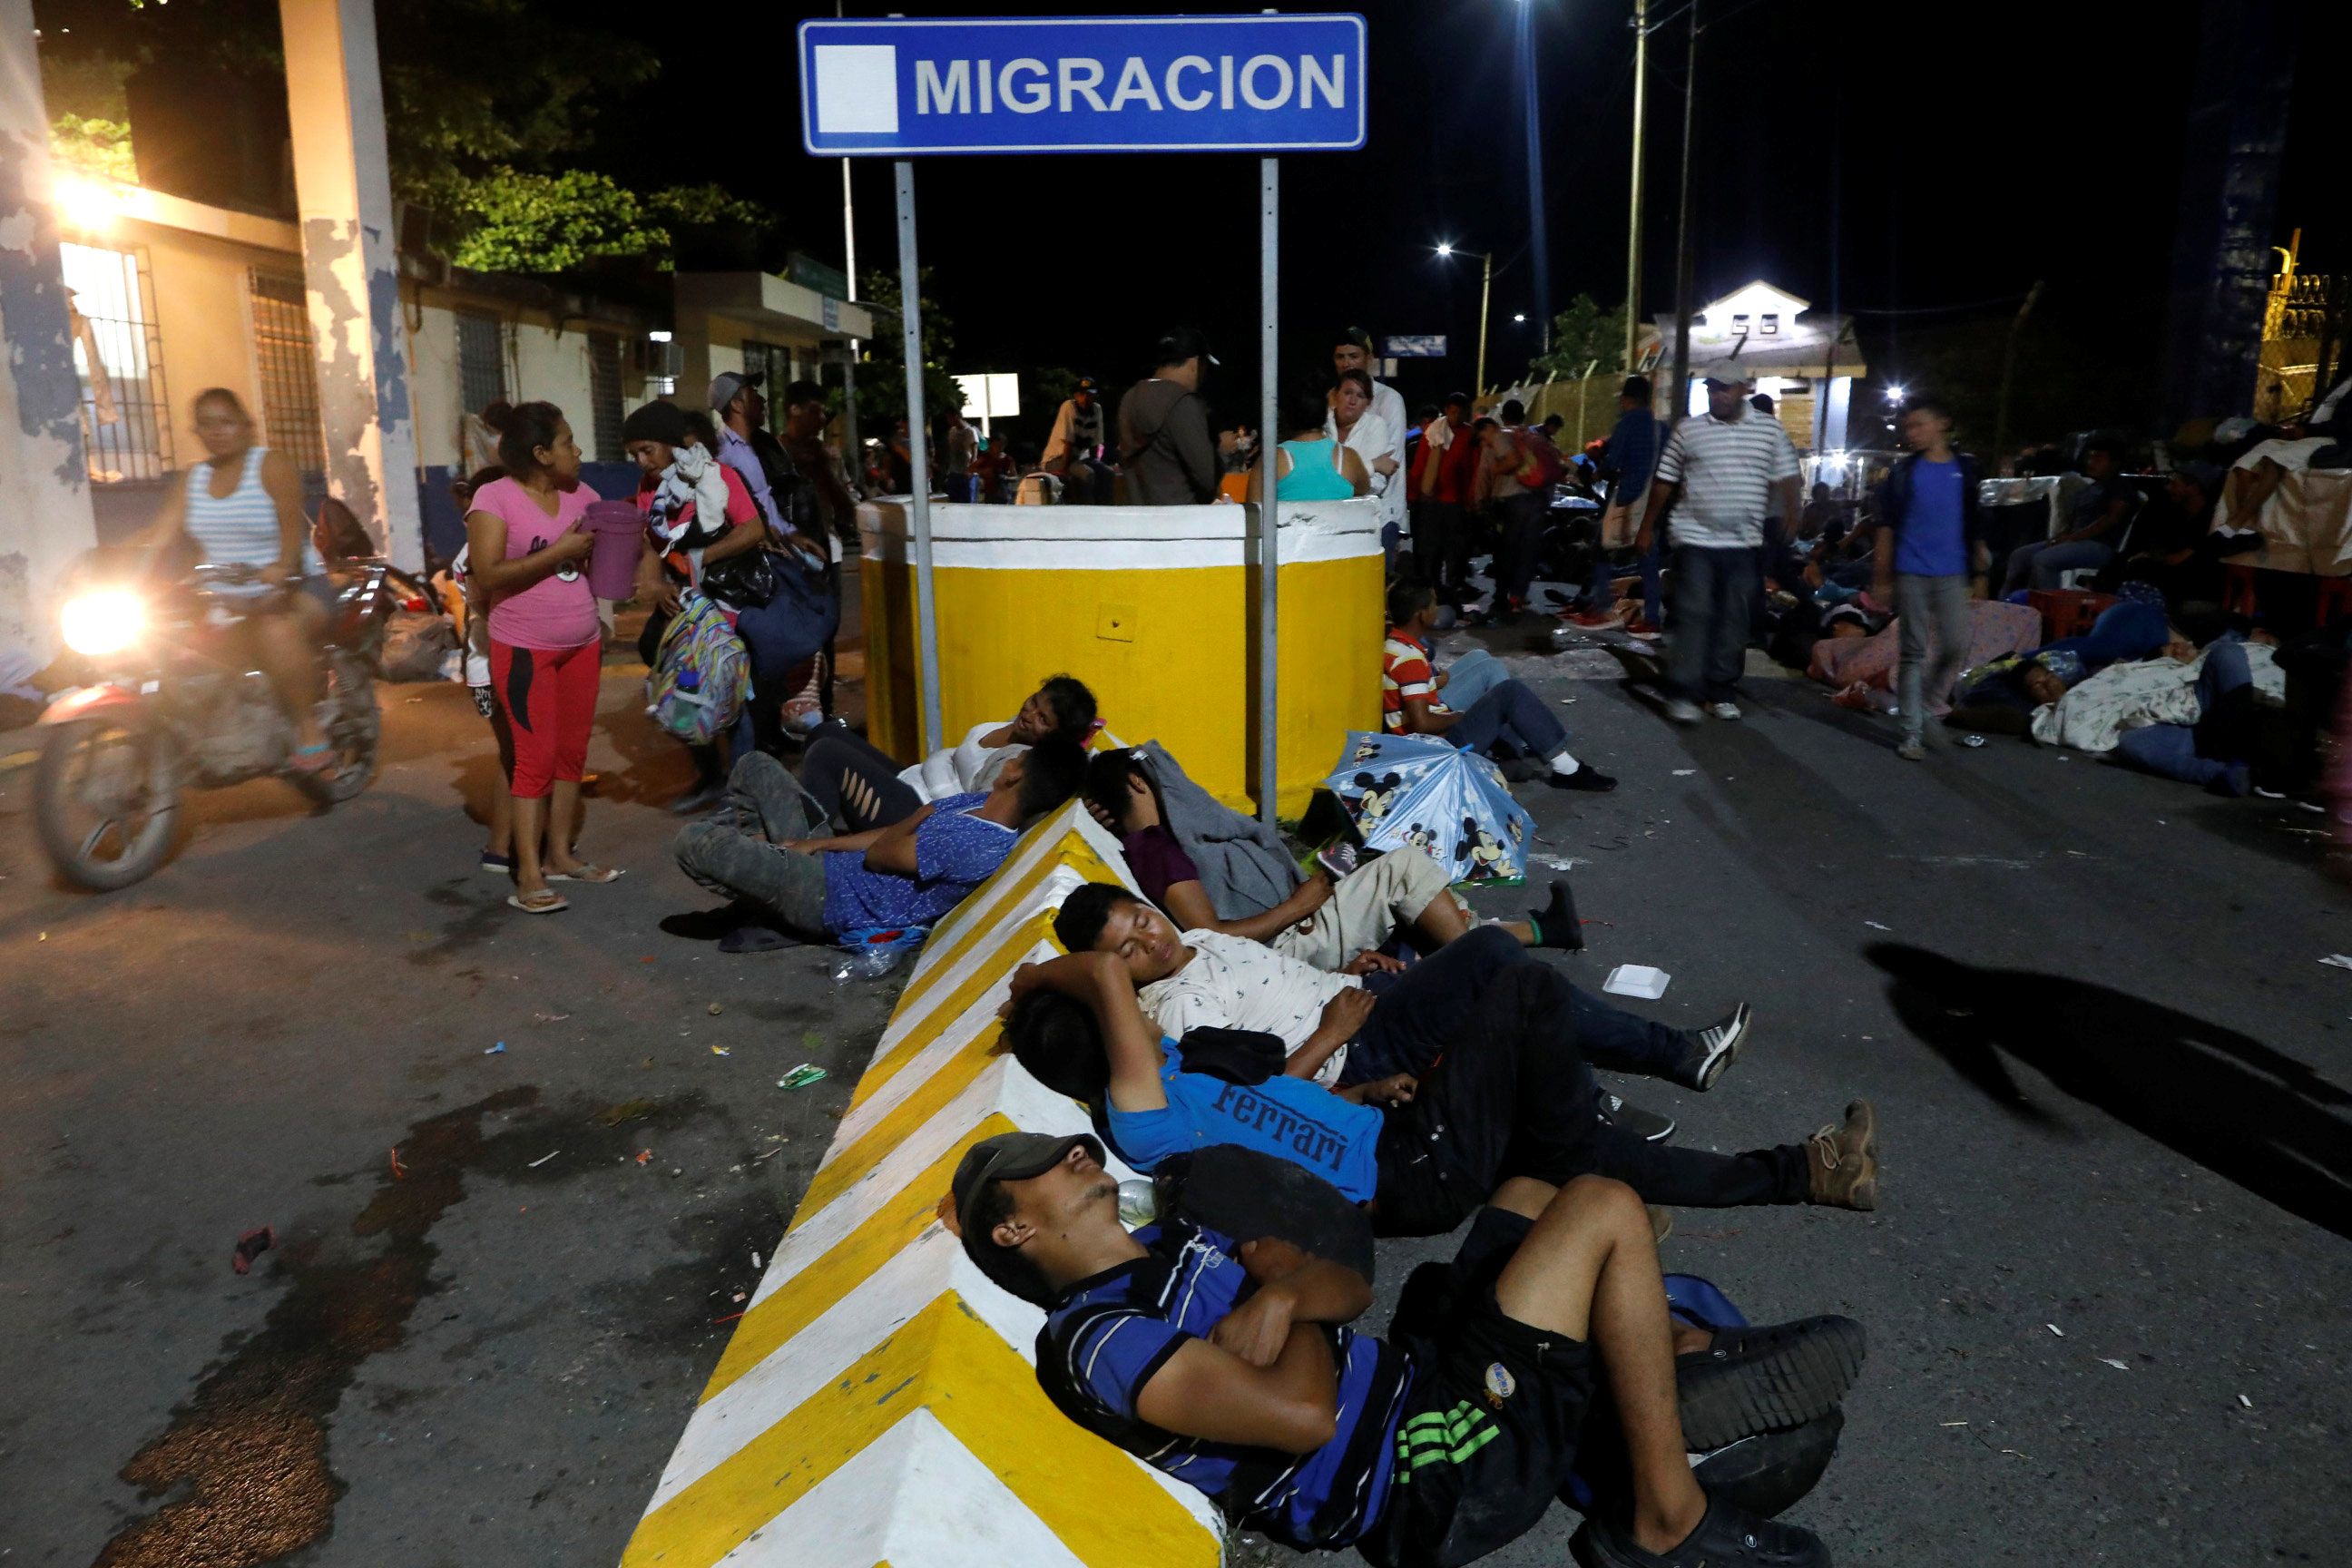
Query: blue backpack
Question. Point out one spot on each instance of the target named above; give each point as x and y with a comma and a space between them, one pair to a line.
700, 671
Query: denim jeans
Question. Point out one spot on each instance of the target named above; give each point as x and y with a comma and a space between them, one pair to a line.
1924, 603
1513, 1096
1510, 712
2040, 565
1715, 596
738, 850
2170, 750
1421, 1010
1522, 518
1471, 677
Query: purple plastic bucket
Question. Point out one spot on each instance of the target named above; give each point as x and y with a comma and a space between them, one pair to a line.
620, 531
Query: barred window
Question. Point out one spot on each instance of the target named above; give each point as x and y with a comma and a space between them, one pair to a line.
287, 363
481, 360
119, 361
604, 397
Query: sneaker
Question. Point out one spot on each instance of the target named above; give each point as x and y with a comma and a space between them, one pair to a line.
1642, 627
1762, 1379
1338, 859
1728, 1537
1682, 711
501, 864
1593, 620
1646, 1125
1724, 710
1911, 750
1587, 777
1841, 1162
1718, 1046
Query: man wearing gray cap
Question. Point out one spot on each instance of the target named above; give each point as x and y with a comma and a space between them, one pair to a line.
738, 407
1717, 477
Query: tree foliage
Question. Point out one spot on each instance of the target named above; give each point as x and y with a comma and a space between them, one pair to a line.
882, 373
1582, 334
517, 222
491, 114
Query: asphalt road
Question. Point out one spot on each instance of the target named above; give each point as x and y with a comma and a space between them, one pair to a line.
2109, 1071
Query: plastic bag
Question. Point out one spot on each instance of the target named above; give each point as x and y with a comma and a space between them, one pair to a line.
870, 954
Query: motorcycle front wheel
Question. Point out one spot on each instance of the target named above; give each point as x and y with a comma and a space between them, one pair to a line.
107, 800
355, 726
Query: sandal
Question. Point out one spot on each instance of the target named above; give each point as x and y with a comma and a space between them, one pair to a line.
316, 758
585, 872
543, 902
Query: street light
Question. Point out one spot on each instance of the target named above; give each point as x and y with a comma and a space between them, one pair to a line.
1445, 247
1897, 394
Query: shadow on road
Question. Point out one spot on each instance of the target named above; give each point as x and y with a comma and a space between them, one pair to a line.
2232, 1104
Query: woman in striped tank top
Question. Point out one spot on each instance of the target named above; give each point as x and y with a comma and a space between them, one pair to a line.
243, 506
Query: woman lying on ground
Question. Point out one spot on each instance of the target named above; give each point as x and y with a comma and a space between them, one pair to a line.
1328, 924
864, 786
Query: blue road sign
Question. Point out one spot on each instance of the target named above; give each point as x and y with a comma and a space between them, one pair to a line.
1420, 347
898, 87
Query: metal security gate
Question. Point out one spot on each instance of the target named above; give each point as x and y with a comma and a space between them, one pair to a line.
118, 360
287, 368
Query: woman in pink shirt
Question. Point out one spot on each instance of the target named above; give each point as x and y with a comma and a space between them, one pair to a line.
526, 549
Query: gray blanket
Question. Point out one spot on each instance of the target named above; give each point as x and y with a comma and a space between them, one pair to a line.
1242, 863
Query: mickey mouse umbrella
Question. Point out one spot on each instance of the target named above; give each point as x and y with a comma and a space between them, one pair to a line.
1416, 792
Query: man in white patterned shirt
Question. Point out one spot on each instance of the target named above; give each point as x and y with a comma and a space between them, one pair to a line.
1717, 477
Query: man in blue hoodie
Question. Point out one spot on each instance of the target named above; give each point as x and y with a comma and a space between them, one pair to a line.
1930, 538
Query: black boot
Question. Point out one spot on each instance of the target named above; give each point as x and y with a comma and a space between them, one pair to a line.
1555, 924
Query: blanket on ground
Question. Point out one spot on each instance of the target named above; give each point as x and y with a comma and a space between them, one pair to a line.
1244, 867
2128, 696
1995, 629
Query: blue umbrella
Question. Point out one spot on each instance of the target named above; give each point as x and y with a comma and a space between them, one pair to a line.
1416, 792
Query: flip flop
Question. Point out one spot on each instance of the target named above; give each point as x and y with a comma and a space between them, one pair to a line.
538, 903
588, 873
318, 758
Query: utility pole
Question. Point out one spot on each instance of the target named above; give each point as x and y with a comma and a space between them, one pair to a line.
1633, 217
1684, 268
1486, 292
2007, 366
852, 454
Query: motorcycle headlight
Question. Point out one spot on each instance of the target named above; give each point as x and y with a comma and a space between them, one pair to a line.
103, 623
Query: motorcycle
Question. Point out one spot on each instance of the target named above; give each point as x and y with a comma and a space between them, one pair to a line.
176, 706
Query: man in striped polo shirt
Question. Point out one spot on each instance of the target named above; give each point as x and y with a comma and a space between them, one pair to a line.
1715, 476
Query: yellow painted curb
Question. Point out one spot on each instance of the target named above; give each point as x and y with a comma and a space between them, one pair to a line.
877, 1402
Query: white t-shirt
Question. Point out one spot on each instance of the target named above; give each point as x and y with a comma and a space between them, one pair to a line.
1235, 984
969, 766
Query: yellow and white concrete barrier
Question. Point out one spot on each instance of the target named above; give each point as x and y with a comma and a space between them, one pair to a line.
877, 1402
1152, 607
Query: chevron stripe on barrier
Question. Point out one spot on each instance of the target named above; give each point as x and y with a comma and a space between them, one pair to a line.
877, 1402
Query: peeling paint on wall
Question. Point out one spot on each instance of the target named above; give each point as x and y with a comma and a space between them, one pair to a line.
33, 312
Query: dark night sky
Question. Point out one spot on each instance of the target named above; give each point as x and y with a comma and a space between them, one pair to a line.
1970, 151
1879, 158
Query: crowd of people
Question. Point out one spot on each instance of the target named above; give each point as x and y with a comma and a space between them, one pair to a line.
1350, 1024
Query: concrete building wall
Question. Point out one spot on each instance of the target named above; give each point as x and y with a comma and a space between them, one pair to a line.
433, 387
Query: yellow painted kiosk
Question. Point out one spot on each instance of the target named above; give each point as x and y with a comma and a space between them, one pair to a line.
1153, 607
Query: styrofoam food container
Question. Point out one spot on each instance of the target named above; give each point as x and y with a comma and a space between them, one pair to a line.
1636, 980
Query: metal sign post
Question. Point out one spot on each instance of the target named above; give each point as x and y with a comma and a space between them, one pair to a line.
918, 458
1269, 515
895, 87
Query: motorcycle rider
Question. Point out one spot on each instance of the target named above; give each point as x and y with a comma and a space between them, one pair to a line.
243, 506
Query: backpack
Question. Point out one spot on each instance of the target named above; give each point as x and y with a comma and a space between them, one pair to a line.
1541, 466
701, 672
